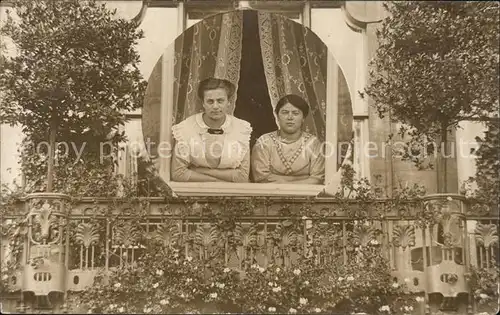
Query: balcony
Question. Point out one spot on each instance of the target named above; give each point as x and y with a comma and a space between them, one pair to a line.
56, 247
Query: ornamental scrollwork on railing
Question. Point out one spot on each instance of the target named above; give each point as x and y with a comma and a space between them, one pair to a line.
167, 233
451, 231
87, 234
207, 240
404, 236
326, 240
126, 234
246, 238
363, 235
486, 235
45, 225
283, 240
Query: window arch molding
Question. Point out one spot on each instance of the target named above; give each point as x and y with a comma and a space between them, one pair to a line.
160, 113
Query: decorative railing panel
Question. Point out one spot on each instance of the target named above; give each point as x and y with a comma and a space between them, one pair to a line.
66, 246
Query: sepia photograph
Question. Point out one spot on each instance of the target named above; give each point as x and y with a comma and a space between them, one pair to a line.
249, 157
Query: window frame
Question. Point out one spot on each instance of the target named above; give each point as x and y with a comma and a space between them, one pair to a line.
332, 175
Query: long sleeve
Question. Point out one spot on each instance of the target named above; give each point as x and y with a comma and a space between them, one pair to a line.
317, 162
261, 160
240, 174
180, 171
236, 175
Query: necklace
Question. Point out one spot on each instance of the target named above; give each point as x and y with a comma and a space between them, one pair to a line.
286, 140
288, 162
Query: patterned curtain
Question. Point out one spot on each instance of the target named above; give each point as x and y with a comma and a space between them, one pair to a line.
210, 48
295, 62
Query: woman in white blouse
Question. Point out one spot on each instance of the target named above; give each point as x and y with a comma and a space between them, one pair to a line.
213, 145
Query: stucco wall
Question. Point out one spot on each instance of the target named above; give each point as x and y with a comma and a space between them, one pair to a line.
160, 28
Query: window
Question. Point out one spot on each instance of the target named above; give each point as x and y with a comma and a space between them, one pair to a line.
170, 97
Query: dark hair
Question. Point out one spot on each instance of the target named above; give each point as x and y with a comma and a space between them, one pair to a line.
296, 101
213, 84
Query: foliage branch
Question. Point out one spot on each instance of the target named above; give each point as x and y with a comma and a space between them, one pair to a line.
71, 77
436, 65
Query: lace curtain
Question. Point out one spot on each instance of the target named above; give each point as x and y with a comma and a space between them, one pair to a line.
294, 59
295, 62
210, 48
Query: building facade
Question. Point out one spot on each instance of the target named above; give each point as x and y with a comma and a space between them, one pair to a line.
346, 31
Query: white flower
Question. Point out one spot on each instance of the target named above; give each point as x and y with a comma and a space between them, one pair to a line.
147, 310
270, 283
188, 280
483, 296
449, 198
226, 270
213, 295
292, 310
395, 285
340, 279
159, 272
164, 302
407, 280
374, 242
366, 223
112, 306
296, 272
350, 278
261, 269
189, 258
278, 269
182, 295
5, 277
156, 285
306, 282
304, 217
254, 266
118, 285
272, 309
277, 289
317, 310
121, 309
220, 285
303, 301
384, 308
419, 299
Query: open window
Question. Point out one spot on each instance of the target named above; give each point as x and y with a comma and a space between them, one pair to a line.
266, 56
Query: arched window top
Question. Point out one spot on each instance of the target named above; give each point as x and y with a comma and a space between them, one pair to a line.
285, 57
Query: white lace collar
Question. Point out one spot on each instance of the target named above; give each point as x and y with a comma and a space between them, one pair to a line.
201, 123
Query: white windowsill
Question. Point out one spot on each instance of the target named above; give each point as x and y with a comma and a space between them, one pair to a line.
243, 189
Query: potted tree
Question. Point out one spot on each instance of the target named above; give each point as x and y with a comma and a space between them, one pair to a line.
436, 66
68, 80
432, 71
